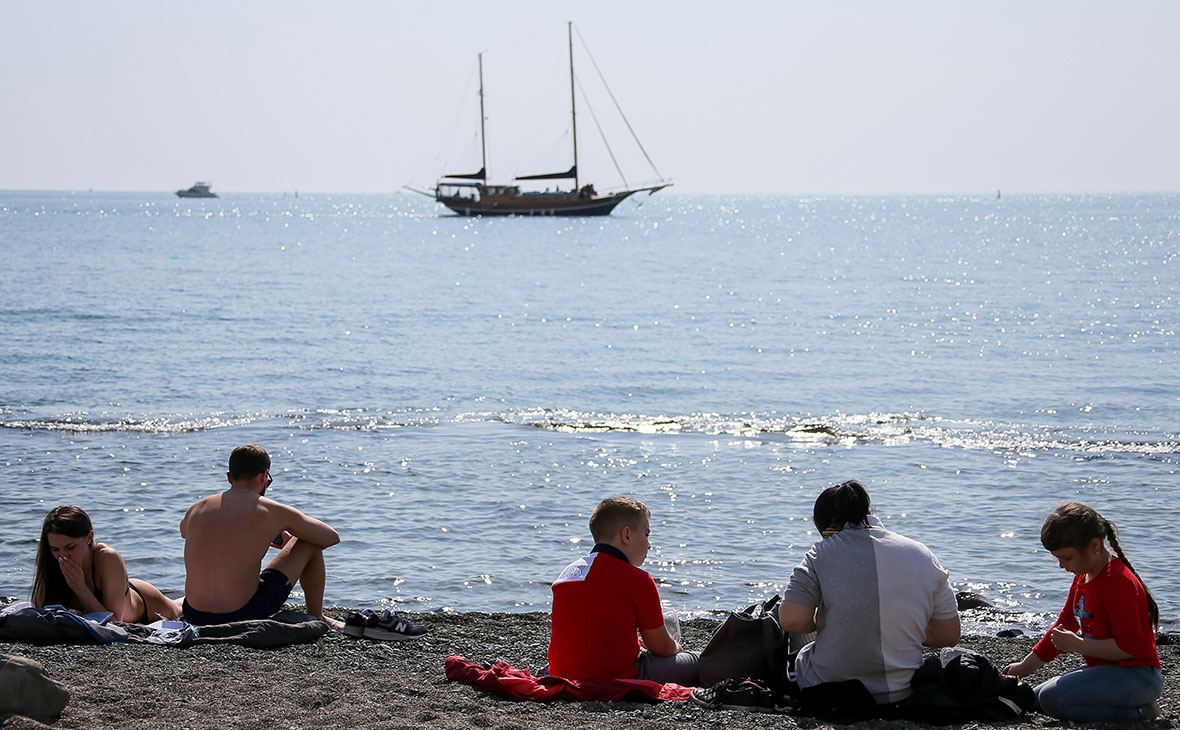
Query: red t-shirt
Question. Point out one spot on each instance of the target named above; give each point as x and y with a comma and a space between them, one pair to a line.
599, 604
1113, 605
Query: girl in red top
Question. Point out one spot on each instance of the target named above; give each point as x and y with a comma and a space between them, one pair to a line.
1109, 618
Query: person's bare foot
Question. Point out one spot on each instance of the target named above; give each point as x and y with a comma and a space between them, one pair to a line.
331, 622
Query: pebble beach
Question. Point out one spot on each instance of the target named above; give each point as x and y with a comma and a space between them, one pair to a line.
344, 682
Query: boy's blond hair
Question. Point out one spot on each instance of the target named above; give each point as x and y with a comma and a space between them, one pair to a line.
615, 513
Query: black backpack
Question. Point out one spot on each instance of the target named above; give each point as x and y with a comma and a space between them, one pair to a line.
960, 685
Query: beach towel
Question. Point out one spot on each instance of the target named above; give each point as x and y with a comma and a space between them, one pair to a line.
56, 625
503, 679
59, 626
261, 633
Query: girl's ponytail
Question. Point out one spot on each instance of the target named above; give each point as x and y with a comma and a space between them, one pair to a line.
1153, 609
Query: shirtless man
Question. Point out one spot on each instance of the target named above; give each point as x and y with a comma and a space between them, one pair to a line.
226, 536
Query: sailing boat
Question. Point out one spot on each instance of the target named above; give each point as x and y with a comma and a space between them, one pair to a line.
471, 194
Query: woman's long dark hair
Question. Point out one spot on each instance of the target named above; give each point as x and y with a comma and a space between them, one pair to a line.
1074, 525
49, 585
840, 505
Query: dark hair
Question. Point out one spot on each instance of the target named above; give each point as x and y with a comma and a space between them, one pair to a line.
248, 461
613, 514
49, 585
842, 504
1074, 525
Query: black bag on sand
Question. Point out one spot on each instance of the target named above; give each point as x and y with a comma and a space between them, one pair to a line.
749, 644
956, 687
960, 685
844, 702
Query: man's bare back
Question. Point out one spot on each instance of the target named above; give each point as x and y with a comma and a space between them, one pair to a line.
228, 534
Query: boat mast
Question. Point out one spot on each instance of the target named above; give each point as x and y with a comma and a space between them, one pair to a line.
573, 107
483, 143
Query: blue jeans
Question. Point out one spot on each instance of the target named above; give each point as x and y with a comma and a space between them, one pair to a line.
1106, 692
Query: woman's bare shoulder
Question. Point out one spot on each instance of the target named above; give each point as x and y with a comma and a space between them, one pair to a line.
106, 555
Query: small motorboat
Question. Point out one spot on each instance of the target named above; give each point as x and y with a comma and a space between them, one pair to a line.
198, 190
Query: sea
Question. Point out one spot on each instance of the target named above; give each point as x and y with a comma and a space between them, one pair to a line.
455, 395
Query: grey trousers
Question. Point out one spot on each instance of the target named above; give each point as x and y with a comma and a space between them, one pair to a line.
682, 668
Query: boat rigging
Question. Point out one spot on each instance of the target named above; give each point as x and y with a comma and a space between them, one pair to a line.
472, 194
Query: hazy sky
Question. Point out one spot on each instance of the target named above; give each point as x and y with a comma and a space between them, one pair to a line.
727, 97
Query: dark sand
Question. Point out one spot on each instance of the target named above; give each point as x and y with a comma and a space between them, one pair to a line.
342, 682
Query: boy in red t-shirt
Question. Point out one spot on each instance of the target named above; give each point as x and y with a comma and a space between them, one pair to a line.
604, 605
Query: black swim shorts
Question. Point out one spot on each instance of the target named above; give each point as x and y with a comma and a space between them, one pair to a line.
267, 600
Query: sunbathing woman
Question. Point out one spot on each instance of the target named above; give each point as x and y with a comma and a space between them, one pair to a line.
76, 572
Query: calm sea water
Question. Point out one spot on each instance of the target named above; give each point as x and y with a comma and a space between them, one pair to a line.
456, 395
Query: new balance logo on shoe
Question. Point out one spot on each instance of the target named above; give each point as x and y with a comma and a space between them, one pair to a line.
384, 626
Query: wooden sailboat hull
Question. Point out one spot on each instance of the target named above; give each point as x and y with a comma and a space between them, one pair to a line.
569, 204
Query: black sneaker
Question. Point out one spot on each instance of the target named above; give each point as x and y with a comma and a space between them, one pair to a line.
356, 621
749, 696
746, 695
388, 626
706, 697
